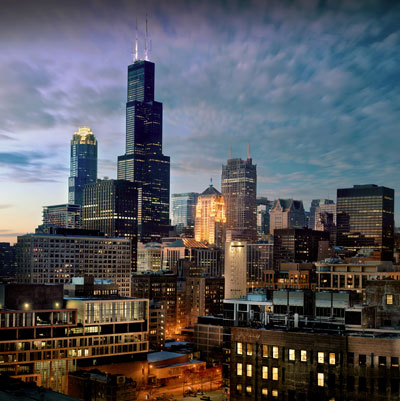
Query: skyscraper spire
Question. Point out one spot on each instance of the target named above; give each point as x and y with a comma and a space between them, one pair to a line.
146, 53
136, 44
248, 151
211, 184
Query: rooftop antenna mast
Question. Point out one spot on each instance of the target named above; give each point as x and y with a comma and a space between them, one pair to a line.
146, 53
136, 44
248, 151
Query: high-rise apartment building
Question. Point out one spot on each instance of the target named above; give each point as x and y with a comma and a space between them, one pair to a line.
65, 216
57, 258
315, 203
365, 220
184, 212
287, 213
210, 217
239, 188
83, 164
143, 162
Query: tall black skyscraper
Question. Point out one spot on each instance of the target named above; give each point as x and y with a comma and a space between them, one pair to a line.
365, 219
144, 163
83, 164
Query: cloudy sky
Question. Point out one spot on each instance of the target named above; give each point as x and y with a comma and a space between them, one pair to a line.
312, 86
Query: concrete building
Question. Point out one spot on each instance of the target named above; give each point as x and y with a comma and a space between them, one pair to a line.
286, 213
299, 276
65, 216
149, 256
210, 218
57, 258
43, 337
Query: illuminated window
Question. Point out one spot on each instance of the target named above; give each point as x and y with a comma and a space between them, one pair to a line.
275, 393
320, 380
275, 375
275, 352
265, 351
239, 369
248, 389
239, 387
265, 372
264, 392
303, 356
292, 355
389, 299
332, 358
249, 370
239, 348
249, 349
321, 357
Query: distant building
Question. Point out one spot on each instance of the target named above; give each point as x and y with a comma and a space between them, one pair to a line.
263, 219
365, 220
297, 276
149, 256
239, 188
297, 245
286, 213
65, 216
315, 203
183, 212
210, 219
8, 259
57, 258
83, 164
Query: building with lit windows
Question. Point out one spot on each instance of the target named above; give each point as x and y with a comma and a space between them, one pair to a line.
83, 164
143, 162
365, 220
57, 258
210, 217
183, 212
149, 256
43, 337
239, 188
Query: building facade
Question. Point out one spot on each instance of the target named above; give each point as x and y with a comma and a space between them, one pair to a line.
365, 220
183, 212
315, 203
287, 213
239, 188
65, 216
57, 258
144, 163
210, 218
83, 164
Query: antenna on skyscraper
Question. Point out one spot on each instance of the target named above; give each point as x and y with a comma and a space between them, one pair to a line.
136, 44
211, 182
248, 151
230, 152
146, 54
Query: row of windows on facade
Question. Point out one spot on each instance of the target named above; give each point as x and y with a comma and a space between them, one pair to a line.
322, 357
291, 353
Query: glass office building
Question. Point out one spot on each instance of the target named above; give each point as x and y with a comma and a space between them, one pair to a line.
184, 212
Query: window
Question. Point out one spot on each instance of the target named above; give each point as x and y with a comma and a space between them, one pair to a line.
332, 358
239, 387
350, 358
303, 355
249, 349
321, 357
382, 361
275, 375
362, 384
389, 299
239, 348
320, 378
264, 392
265, 351
248, 389
275, 393
350, 383
249, 370
239, 369
362, 360
292, 355
394, 362
275, 352
265, 372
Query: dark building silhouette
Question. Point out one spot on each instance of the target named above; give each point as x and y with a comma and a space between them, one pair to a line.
239, 188
143, 162
83, 164
365, 220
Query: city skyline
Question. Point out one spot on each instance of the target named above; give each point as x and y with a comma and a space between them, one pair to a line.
312, 89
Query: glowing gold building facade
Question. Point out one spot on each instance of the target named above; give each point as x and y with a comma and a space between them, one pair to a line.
210, 217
